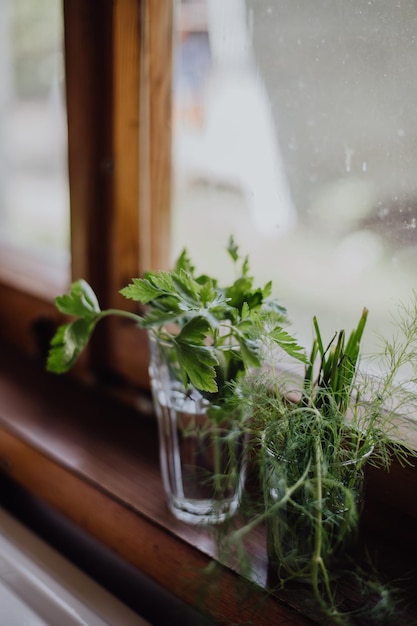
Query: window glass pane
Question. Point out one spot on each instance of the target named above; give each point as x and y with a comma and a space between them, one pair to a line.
295, 129
34, 198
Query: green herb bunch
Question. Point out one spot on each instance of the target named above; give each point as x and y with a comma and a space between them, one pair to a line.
311, 443
217, 332
313, 462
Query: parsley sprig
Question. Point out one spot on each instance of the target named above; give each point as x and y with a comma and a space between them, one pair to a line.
217, 332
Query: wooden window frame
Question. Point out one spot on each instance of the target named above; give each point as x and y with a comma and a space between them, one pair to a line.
120, 198
118, 92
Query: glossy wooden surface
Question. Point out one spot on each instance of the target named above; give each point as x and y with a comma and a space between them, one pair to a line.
96, 462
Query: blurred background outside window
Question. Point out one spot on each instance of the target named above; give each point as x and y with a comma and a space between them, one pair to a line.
295, 129
34, 196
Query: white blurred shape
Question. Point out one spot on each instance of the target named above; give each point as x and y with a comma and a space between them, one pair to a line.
237, 144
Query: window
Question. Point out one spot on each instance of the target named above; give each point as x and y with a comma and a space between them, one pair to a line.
118, 78
34, 182
295, 129
291, 128
34, 202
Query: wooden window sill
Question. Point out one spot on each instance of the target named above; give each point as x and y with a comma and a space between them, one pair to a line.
95, 461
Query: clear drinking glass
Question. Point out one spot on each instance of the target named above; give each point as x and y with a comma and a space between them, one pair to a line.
202, 462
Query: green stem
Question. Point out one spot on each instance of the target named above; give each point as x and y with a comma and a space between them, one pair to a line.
270, 511
317, 561
133, 316
218, 473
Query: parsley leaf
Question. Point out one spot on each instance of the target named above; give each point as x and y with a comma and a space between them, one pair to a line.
81, 300
68, 343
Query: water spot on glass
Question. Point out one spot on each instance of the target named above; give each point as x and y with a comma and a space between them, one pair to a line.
410, 225
364, 166
383, 212
348, 158
401, 132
